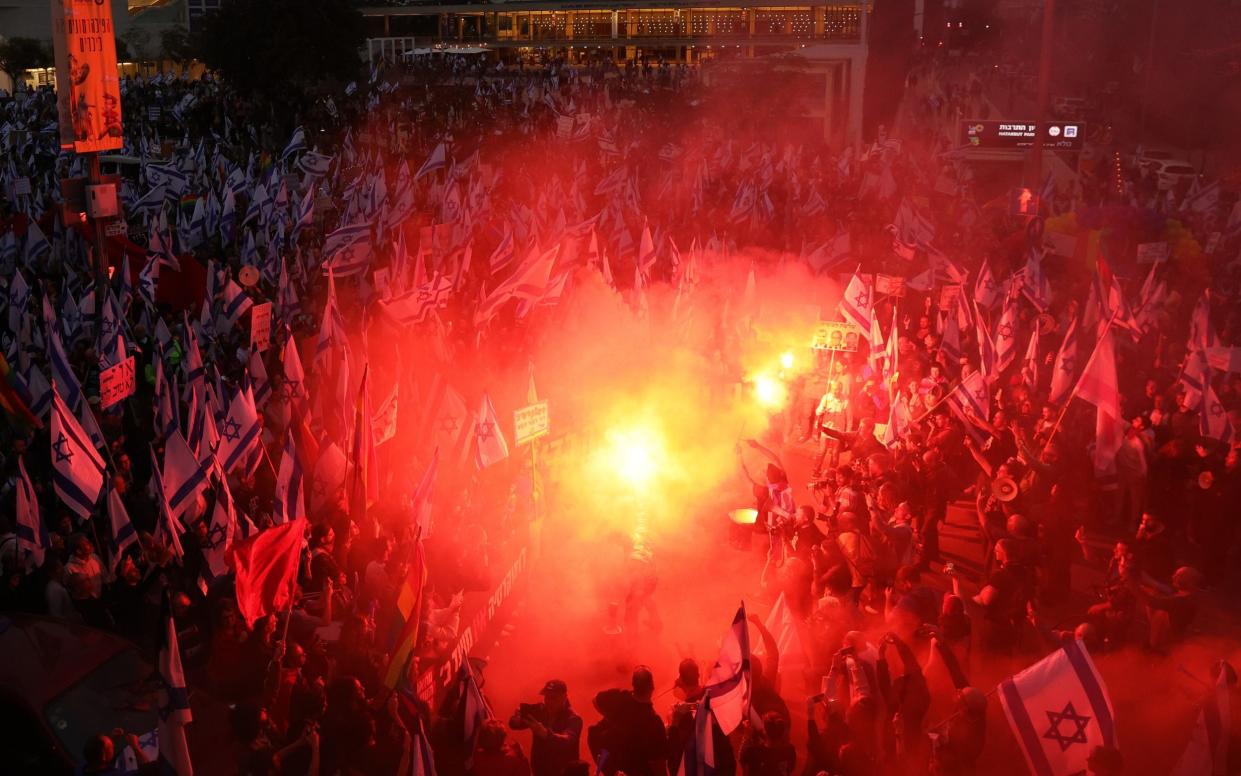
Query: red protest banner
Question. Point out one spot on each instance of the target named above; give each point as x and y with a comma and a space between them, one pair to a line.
88, 86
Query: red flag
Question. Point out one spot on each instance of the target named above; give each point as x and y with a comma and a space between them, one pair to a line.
266, 569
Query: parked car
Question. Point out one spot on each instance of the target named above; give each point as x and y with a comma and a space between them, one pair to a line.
1173, 174
1145, 158
62, 683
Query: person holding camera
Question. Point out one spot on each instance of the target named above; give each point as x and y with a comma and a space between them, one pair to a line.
556, 727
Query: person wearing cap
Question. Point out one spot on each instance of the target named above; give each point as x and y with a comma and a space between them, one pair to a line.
556, 727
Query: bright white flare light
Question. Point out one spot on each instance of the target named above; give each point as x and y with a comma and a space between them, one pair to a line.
634, 455
769, 391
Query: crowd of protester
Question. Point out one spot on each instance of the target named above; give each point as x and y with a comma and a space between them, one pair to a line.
857, 553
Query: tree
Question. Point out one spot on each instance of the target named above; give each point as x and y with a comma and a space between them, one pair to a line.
17, 55
178, 45
272, 46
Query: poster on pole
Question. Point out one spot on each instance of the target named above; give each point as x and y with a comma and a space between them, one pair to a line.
836, 335
948, 296
530, 422
889, 285
88, 85
260, 326
116, 383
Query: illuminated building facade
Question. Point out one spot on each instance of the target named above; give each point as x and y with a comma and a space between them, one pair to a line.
823, 41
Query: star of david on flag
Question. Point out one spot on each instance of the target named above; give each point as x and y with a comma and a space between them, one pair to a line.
1059, 711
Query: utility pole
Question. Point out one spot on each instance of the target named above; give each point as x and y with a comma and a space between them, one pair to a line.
1148, 68
101, 258
1044, 84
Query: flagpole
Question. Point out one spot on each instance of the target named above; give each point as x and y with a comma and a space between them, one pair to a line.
1068, 401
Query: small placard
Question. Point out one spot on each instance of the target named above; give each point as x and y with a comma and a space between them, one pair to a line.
116, 383
260, 326
948, 296
1152, 252
531, 422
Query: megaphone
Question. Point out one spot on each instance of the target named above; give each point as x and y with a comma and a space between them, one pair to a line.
1004, 489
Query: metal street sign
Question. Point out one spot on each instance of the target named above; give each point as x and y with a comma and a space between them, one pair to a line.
530, 422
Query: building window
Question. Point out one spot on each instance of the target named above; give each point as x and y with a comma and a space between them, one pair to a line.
724, 21
592, 24
842, 23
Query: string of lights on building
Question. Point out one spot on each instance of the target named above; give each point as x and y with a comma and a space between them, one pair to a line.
799, 22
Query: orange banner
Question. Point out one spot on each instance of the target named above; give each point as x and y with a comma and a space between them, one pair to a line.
88, 86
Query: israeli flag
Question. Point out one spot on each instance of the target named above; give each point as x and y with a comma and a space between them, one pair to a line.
297, 144
290, 497
167, 176
345, 237
314, 164
77, 468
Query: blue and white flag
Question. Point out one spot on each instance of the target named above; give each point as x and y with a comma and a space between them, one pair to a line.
211, 221
257, 207
258, 378
150, 203
37, 392
166, 415
19, 296
236, 304
1064, 372
314, 164
86, 416
698, 758
403, 201
167, 176
1006, 334
856, 305
503, 254
121, 534
8, 248
286, 295
167, 526
293, 388
220, 531
350, 260
1213, 419
184, 477
346, 236
174, 704
971, 396
228, 217
148, 281
297, 144
305, 213
1059, 711
198, 224
32, 535
124, 288
289, 502
36, 245
438, 160
77, 468
729, 683
239, 430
